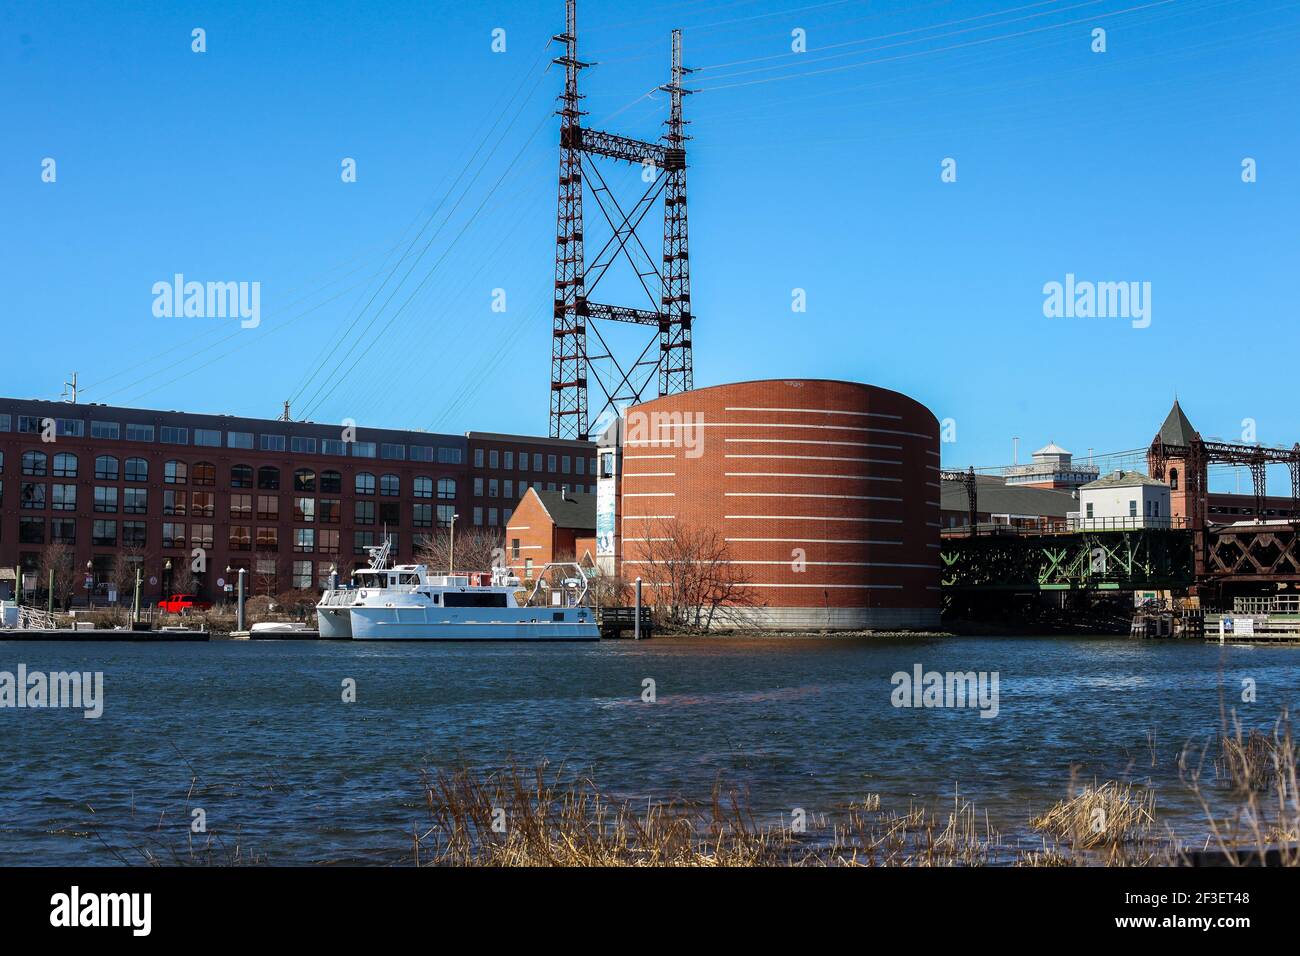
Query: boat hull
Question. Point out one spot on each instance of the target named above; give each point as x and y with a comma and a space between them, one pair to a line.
494, 624
334, 623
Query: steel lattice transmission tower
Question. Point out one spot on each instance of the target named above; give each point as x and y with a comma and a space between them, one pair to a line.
667, 285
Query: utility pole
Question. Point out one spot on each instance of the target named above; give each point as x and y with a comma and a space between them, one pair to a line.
284, 417
70, 390
626, 379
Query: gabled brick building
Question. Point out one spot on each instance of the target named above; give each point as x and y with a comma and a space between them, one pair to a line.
548, 526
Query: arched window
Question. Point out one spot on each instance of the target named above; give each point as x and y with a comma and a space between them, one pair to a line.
268, 478
390, 485
422, 487
241, 476
34, 463
176, 473
106, 468
304, 480
331, 483
137, 469
1173, 479
205, 474
365, 483
65, 465
447, 489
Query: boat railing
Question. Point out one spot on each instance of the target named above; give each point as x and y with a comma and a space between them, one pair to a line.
573, 595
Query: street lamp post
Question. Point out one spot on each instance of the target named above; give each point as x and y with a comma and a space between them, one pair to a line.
239, 605
135, 602
451, 547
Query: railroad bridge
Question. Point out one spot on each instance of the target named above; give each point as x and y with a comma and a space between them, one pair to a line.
1186, 552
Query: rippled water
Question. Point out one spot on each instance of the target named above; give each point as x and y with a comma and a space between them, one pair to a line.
803, 723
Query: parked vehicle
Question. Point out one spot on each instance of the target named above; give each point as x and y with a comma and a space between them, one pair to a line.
183, 604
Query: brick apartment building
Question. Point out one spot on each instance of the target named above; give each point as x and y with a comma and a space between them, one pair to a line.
288, 501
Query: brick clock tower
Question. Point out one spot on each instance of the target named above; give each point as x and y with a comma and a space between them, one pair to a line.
1187, 497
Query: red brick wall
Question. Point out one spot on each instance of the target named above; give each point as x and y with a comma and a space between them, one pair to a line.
846, 472
532, 527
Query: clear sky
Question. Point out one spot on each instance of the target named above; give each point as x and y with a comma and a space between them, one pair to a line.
816, 170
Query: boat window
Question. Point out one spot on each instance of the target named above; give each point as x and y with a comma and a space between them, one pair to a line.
410, 578
467, 599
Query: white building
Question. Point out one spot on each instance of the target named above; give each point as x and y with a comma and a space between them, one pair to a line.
1052, 467
1122, 500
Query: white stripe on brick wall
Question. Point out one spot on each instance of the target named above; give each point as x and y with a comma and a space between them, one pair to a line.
808, 441
819, 411
637, 457
818, 540
792, 494
834, 428
649, 494
649, 517
800, 474
865, 461
814, 518
650, 474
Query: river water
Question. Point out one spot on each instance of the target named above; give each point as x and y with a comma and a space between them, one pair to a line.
282, 765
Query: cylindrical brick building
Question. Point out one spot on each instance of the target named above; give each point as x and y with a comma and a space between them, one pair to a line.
826, 494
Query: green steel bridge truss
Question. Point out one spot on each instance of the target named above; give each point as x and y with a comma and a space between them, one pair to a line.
1121, 560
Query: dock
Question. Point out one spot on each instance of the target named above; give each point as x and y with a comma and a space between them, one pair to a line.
1257, 620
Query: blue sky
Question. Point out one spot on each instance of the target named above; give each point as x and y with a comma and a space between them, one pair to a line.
817, 170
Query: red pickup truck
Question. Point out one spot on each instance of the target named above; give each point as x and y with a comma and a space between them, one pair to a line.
181, 603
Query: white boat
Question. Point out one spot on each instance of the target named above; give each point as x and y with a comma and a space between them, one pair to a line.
406, 603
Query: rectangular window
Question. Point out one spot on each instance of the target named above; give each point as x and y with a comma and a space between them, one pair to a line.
304, 540
201, 536
203, 505
478, 516
173, 435
333, 446
509, 462
105, 500
303, 445
268, 508
71, 428
241, 538
33, 496
363, 449
302, 575
104, 534
523, 461
581, 465
176, 502
390, 513
478, 487
64, 497
271, 442
241, 507
268, 539
510, 488
391, 452
362, 540
1132, 508
449, 456
329, 542
550, 463
478, 457
422, 453
63, 531
505, 518
31, 530
139, 432
207, 437
133, 534
566, 464
537, 461
109, 431
331, 511
514, 548
239, 440
365, 512
173, 535
492, 517
29, 424
135, 501
445, 515
494, 460
304, 510
492, 488
6, 423
422, 516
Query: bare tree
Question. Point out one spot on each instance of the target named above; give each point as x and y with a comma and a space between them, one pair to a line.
690, 577
122, 573
266, 579
58, 558
477, 549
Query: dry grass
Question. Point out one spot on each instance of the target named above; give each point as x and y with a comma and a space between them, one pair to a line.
1101, 816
